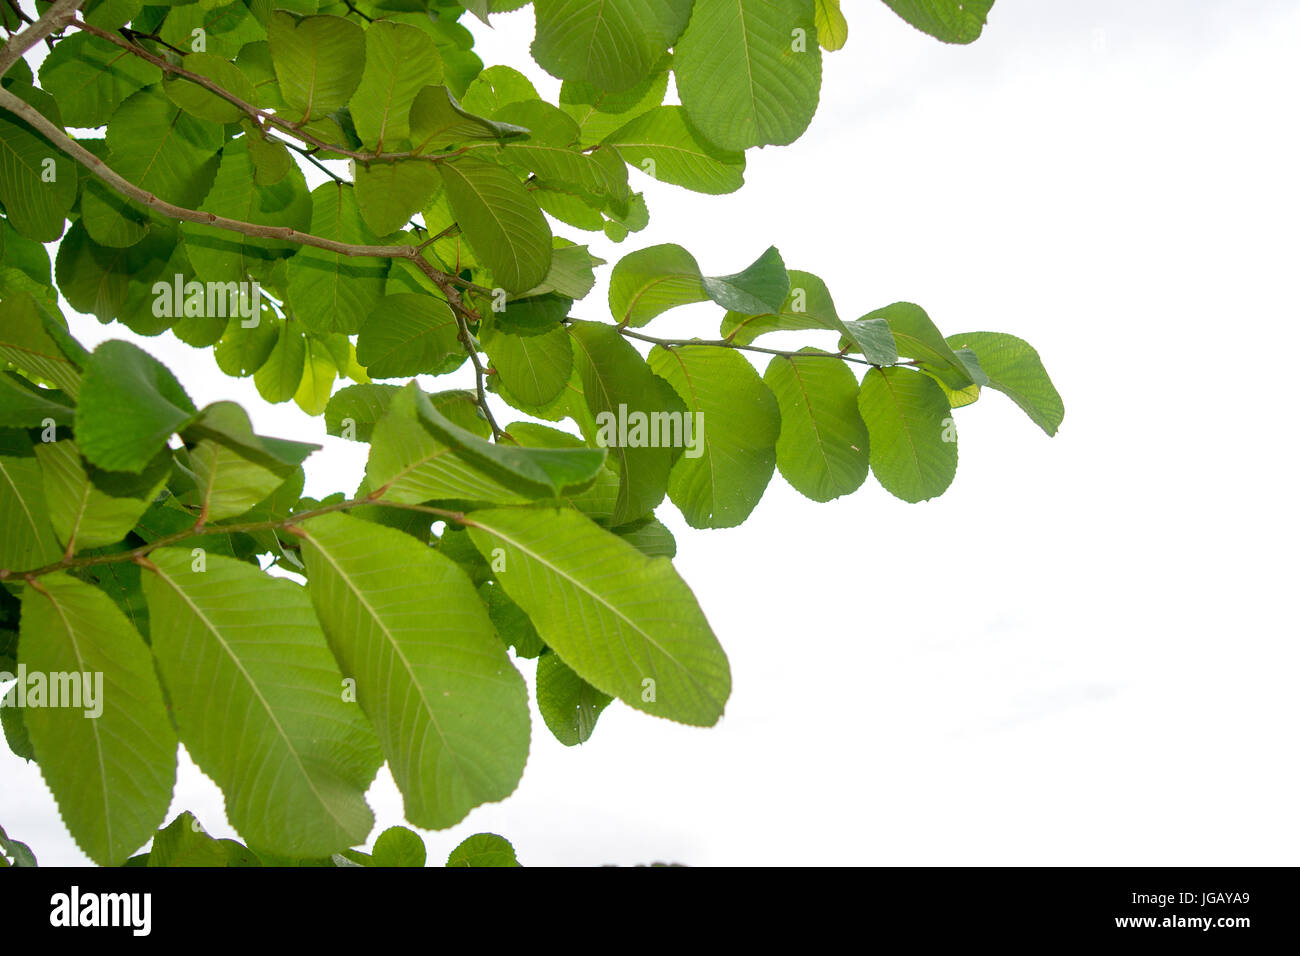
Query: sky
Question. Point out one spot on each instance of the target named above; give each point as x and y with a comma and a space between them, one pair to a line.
1084, 652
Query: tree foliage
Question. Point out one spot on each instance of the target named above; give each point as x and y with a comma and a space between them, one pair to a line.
293, 645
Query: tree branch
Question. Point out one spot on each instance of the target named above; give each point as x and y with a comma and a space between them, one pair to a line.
62, 141
728, 344
60, 14
199, 530
261, 117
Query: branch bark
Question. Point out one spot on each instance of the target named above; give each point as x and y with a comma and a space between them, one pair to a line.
60, 14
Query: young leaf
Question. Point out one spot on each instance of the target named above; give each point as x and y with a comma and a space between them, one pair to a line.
824, 445
913, 438
1013, 367
731, 441
259, 703
110, 762
625, 623
405, 622
832, 28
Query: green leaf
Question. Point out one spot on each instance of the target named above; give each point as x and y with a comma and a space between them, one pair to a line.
398, 846
24, 404
90, 77
400, 61
761, 287
130, 405
569, 705
495, 87
730, 449
508, 618
155, 144
438, 120
913, 438
918, 338
611, 44
808, 306
27, 341
259, 703
405, 622
874, 338
406, 335
184, 843
599, 112
501, 222
539, 472
278, 378
952, 21
38, 183
26, 535
832, 28
332, 292
529, 347
408, 465
234, 469
389, 194
746, 74
318, 373
649, 536
663, 144
318, 61
625, 623
653, 280
90, 509
824, 445
1013, 367
219, 255
483, 849
619, 387
110, 762
20, 852
203, 103
598, 175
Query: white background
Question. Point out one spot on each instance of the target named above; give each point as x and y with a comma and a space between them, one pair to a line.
1084, 652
